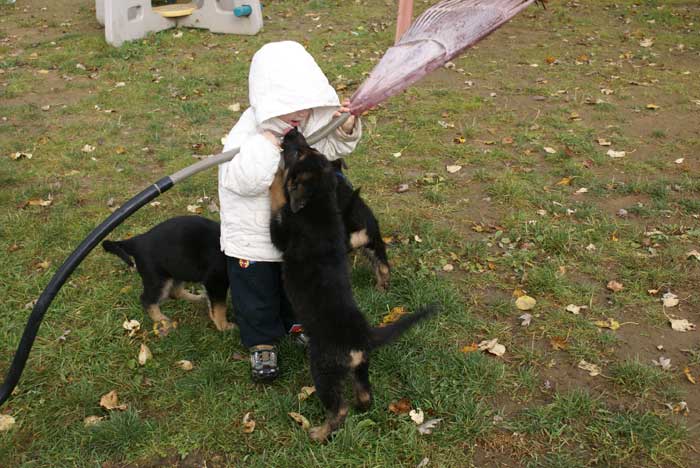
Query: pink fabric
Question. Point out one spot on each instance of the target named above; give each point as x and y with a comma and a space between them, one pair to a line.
436, 37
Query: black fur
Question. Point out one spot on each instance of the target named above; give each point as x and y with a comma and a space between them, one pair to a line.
181, 249
361, 226
309, 231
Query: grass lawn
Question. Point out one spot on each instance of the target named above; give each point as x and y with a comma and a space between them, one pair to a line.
517, 185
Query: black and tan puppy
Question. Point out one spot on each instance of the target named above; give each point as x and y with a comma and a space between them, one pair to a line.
181, 249
306, 225
361, 226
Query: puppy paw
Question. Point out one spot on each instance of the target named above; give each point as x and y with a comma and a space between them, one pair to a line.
319, 433
225, 326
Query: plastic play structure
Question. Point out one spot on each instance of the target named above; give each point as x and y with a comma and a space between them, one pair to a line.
127, 20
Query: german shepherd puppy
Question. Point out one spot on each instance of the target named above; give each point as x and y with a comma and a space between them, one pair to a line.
181, 249
306, 225
362, 229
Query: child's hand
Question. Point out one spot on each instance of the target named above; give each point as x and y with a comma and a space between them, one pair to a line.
350, 123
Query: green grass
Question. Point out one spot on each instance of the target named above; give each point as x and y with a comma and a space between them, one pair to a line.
503, 222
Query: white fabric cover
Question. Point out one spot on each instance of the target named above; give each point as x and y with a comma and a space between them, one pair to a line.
283, 78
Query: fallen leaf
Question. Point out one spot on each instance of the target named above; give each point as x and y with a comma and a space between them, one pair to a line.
679, 160
394, 314
525, 302
20, 155
689, 376
549, 150
492, 346
40, 202
459, 140
402, 406
669, 299
559, 343
132, 326
652, 106
609, 323
397, 154
448, 267
6, 422
680, 408
305, 393
663, 362
144, 354
681, 325
417, 416
110, 401
235, 107
423, 463
616, 154
87, 149
603, 142
614, 286
194, 209
580, 191
592, 369
470, 348
301, 420
428, 426
401, 188
417, 238
575, 309
525, 320
92, 421
646, 42
453, 169
185, 365
248, 423
693, 254
565, 181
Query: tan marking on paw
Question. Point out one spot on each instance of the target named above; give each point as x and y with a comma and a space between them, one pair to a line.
217, 314
165, 292
356, 358
320, 433
179, 292
359, 239
156, 315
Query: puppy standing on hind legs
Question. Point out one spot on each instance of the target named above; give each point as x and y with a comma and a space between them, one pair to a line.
306, 225
181, 249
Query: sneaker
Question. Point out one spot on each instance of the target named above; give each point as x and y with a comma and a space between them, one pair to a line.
297, 332
263, 362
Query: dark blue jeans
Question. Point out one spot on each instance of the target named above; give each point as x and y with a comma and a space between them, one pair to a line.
260, 306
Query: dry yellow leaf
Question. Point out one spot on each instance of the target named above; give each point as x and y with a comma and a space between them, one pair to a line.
689, 376
470, 348
525, 302
6, 422
614, 286
306, 392
393, 315
248, 423
301, 420
185, 365
559, 343
110, 401
402, 406
609, 323
144, 354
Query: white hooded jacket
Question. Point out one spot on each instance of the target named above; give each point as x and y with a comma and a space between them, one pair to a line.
283, 78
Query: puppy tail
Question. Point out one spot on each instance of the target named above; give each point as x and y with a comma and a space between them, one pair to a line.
379, 336
117, 248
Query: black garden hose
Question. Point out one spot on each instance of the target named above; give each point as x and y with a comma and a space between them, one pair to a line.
100, 232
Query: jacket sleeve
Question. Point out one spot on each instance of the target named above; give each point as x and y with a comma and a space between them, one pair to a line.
251, 171
339, 144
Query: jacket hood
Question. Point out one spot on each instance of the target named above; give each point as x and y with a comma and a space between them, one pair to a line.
285, 78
